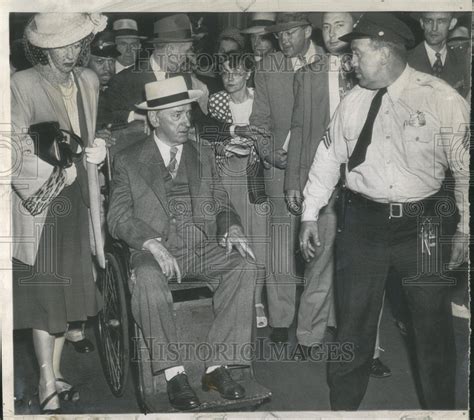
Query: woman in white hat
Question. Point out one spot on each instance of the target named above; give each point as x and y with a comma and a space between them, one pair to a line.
52, 266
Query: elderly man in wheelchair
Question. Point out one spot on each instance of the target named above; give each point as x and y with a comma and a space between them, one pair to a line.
168, 205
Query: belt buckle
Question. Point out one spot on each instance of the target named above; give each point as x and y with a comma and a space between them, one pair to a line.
396, 210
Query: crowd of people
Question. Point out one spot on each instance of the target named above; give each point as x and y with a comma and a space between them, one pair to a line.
270, 163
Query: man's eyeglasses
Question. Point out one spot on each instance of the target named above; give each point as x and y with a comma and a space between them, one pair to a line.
287, 34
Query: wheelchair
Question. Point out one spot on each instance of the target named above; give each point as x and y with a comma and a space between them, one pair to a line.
123, 349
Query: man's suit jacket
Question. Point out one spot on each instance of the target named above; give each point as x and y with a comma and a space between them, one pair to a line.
35, 100
273, 103
456, 71
138, 209
311, 116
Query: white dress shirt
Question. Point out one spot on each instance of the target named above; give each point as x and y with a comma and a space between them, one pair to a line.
309, 57
165, 151
432, 54
159, 73
420, 131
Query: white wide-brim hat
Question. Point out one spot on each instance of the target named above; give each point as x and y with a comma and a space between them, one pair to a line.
168, 93
55, 30
260, 20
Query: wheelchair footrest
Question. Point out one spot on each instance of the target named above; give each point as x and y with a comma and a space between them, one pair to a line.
256, 394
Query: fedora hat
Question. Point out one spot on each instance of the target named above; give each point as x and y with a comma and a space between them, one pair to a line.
126, 28
103, 45
175, 28
260, 20
168, 93
288, 20
55, 30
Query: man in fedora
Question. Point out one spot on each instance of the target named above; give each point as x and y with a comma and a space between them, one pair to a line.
271, 115
434, 56
127, 39
262, 42
162, 190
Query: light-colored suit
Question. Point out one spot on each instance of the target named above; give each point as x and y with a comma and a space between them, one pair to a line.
28, 172
311, 116
272, 111
141, 209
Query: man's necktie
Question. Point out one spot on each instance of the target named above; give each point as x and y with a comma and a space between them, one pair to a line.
173, 165
365, 136
437, 65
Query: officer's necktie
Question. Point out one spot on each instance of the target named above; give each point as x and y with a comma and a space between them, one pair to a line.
173, 165
437, 66
365, 136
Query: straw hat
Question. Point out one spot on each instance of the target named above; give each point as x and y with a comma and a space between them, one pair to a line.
168, 93
260, 20
175, 28
126, 28
54, 30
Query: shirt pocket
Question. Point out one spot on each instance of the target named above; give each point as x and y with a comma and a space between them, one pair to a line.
419, 144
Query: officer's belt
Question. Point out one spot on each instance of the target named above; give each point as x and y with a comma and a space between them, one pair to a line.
395, 210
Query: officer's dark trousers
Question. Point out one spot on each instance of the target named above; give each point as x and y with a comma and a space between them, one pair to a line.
370, 244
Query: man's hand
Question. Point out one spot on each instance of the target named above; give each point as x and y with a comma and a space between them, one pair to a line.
309, 238
294, 201
460, 250
167, 262
278, 158
106, 134
235, 238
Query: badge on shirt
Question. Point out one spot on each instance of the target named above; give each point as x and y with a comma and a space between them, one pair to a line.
416, 120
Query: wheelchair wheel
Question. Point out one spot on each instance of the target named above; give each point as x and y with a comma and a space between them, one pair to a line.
113, 335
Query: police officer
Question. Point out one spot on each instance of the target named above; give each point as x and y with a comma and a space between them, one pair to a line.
397, 132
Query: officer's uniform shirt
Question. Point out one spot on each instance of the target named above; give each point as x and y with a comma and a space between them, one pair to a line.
432, 54
419, 131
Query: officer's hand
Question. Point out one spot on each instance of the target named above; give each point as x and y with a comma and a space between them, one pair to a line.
167, 262
309, 238
235, 238
278, 158
294, 200
460, 250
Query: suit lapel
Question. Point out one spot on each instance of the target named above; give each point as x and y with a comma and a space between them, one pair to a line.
152, 169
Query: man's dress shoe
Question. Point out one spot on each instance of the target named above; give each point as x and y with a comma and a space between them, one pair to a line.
82, 346
379, 370
221, 381
279, 335
180, 393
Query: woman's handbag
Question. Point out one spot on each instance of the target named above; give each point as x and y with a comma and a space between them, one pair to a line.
54, 145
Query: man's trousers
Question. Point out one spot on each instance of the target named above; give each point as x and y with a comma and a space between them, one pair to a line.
368, 247
233, 281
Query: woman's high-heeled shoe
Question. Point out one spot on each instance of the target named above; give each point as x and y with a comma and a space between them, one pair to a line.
262, 320
44, 403
67, 392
